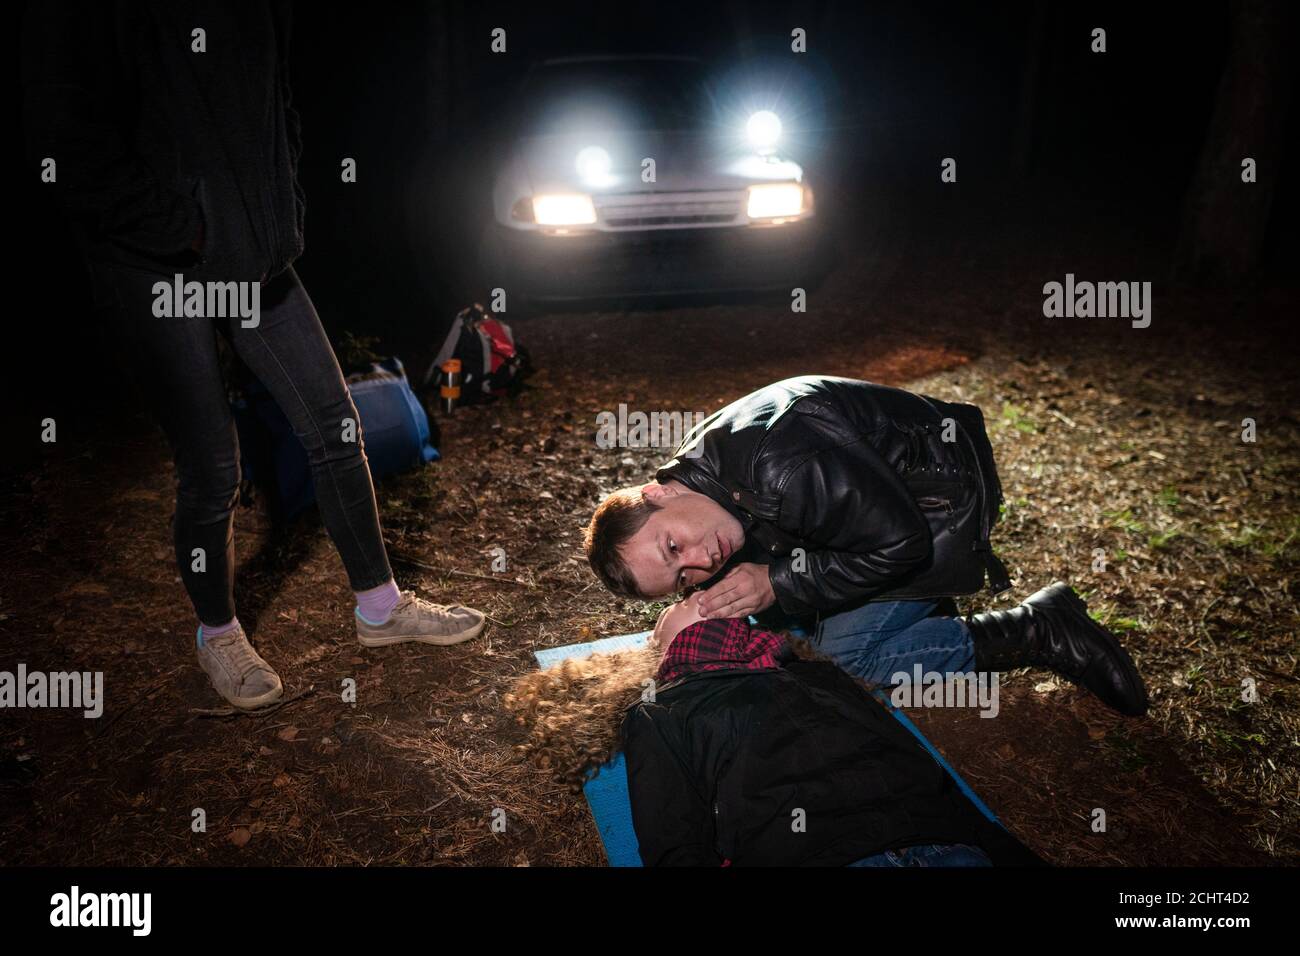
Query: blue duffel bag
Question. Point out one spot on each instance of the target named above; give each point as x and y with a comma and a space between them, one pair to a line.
394, 427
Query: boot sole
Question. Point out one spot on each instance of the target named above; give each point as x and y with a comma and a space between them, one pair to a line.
444, 640
1117, 650
254, 703
249, 703
245, 703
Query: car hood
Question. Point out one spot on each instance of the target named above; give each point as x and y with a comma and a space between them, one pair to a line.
683, 161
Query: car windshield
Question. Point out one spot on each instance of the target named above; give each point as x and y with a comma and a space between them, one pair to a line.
634, 95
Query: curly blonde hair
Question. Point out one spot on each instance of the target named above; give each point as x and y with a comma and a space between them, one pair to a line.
572, 714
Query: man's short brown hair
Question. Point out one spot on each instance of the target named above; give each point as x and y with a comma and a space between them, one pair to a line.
621, 515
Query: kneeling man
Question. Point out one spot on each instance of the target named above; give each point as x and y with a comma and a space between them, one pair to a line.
857, 508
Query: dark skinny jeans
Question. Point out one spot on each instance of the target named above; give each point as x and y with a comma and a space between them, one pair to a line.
288, 351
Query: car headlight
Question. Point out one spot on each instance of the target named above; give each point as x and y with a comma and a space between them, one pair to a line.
763, 129
563, 209
775, 200
594, 165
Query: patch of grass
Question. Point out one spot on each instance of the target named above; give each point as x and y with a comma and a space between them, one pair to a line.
1004, 508
1169, 498
1126, 521
1242, 540
1126, 624
1232, 702
1162, 539
1265, 542
1013, 416
1105, 616
1125, 752
1275, 546
1227, 740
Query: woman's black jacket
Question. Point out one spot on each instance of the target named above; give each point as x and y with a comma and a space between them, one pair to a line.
798, 765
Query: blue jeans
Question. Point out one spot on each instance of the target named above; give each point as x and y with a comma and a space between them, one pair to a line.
932, 854
878, 639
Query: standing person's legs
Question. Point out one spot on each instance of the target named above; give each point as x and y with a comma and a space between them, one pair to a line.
289, 352
176, 362
177, 365
880, 638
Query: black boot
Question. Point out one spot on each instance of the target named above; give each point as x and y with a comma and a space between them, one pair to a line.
1052, 629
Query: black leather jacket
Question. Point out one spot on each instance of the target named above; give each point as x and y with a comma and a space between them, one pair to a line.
851, 491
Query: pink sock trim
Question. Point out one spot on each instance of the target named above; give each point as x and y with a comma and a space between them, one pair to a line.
376, 604
220, 629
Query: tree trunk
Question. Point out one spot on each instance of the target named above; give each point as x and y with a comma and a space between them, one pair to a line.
1226, 219
1022, 139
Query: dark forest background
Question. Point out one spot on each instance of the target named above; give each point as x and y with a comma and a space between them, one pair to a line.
1138, 137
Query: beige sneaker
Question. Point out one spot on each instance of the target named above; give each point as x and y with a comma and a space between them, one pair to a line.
415, 619
238, 673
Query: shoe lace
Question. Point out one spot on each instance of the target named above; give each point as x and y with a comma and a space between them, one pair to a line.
425, 609
241, 655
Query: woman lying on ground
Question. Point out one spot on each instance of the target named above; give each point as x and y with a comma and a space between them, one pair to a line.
745, 748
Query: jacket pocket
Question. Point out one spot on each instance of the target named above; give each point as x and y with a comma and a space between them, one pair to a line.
722, 842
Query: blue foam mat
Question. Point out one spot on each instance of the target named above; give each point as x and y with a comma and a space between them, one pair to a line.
606, 790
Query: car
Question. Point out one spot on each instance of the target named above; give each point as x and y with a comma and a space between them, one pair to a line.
632, 176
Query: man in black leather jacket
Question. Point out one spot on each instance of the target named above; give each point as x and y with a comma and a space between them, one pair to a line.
857, 508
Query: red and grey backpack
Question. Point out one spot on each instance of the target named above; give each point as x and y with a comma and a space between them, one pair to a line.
492, 363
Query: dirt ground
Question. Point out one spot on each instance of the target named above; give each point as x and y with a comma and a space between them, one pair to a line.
1109, 438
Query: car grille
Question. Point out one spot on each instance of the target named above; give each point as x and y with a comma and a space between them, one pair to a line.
653, 262
681, 210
